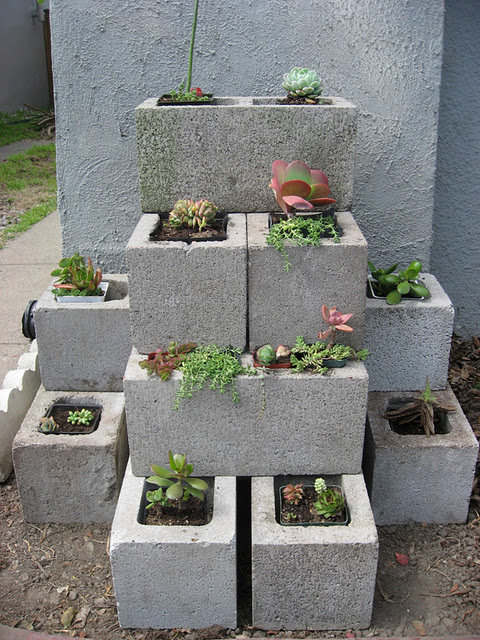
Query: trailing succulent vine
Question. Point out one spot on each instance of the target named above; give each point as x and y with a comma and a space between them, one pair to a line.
301, 231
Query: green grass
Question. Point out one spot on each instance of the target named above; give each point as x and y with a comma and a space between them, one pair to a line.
28, 185
18, 126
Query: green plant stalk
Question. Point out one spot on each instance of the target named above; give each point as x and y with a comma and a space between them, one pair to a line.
192, 43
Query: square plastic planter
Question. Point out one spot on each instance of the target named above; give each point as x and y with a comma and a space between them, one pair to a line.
415, 478
284, 305
71, 478
175, 576
188, 292
236, 140
84, 346
309, 422
313, 577
409, 341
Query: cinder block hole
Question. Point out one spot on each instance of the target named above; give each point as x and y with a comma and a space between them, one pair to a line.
244, 551
413, 428
149, 486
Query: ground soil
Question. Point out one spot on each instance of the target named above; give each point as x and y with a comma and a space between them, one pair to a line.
428, 580
164, 231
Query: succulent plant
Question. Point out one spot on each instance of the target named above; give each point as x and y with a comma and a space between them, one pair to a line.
266, 355
293, 493
163, 362
84, 416
190, 213
337, 322
48, 425
394, 286
296, 186
157, 497
303, 83
320, 485
175, 478
330, 502
74, 276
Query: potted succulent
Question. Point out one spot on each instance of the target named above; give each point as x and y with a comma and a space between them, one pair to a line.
384, 283
304, 86
191, 220
312, 504
62, 418
269, 358
185, 95
182, 502
78, 282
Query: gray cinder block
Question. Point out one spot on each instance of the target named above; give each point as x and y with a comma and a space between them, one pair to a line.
179, 150
415, 478
84, 346
188, 292
71, 478
309, 422
409, 341
313, 577
284, 305
172, 576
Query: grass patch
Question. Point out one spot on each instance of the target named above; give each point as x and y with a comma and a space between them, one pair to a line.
28, 190
18, 126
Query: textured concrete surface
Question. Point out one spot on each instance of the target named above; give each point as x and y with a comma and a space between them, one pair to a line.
71, 478
188, 292
25, 266
178, 150
415, 478
16, 396
200, 560
310, 422
140, 52
84, 346
409, 341
313, 577
284, 305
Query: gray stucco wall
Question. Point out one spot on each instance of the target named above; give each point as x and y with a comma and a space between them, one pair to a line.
383, 55
23, 68
456, 247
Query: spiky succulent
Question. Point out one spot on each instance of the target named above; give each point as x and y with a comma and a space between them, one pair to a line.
191, 213
48, 425
330, 502
293, 493
296, 186
303, 83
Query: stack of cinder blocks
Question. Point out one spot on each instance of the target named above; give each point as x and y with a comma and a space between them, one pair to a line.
83, 350
311, 425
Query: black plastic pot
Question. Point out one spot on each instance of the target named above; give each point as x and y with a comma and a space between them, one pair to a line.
71, 407
326, 523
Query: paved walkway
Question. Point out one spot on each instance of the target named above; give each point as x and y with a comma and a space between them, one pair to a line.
25, 266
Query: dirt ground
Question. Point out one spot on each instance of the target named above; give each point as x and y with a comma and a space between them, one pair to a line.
55, 576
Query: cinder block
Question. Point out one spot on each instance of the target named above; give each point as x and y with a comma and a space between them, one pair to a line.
415, 478
409, 341
71, 478
16, 396
188, 292
84, 346
313, 577
309, 422
235, 141
172, 576
284, 305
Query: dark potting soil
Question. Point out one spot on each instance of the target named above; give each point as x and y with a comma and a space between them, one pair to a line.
305, 512
414, 428
60, 415
164, 231
193, 512
297, 100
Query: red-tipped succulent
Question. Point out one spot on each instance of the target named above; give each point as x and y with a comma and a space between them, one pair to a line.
296, 186
336, 321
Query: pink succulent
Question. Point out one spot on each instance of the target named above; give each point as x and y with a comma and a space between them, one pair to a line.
336, 320
296, 186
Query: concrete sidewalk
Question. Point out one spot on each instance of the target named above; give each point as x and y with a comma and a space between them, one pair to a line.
25, 266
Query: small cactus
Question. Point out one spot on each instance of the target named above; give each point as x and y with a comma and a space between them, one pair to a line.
48, 425
190, 213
